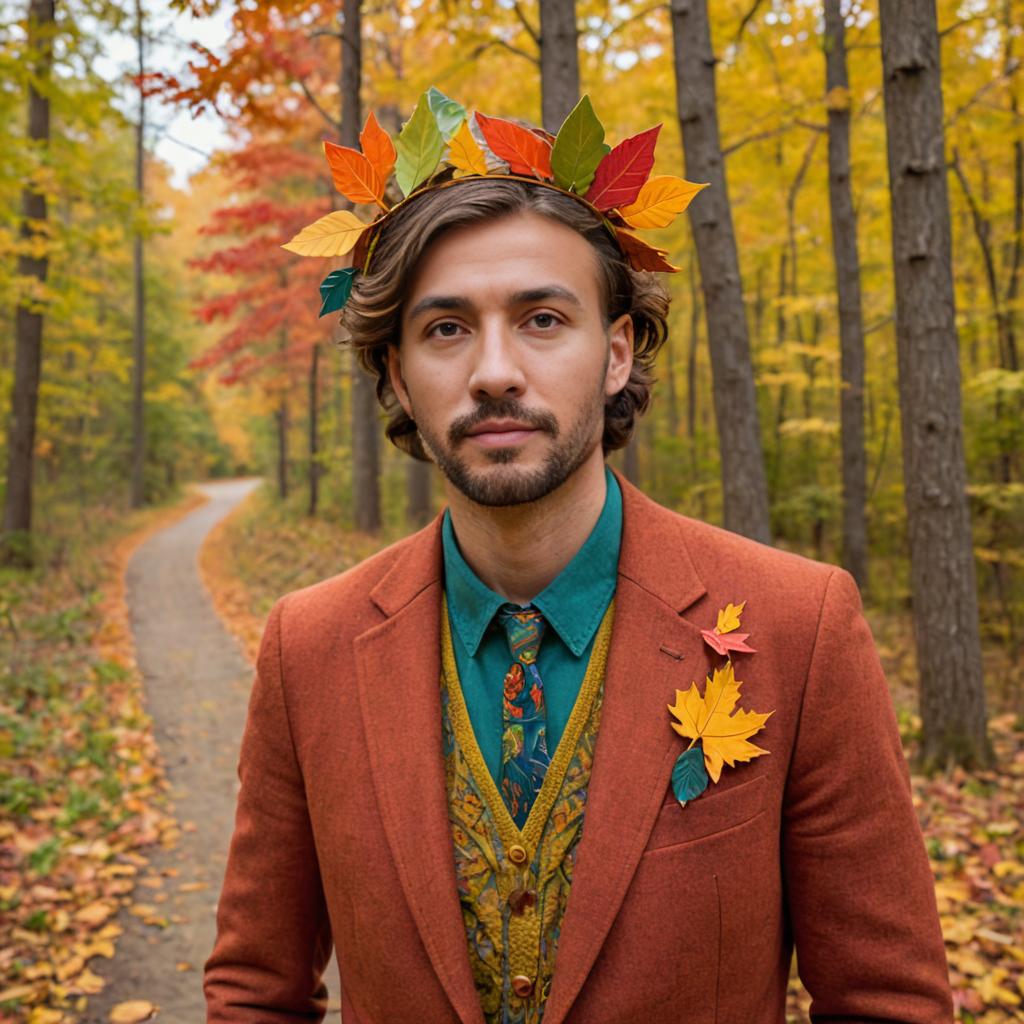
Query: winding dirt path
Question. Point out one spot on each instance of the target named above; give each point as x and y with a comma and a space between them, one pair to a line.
197, 688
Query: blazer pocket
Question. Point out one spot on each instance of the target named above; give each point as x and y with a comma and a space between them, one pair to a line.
712, 812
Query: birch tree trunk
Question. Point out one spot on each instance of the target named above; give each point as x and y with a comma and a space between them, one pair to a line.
28, 326
365, 426
851, 322
559, 61
935, 478
745, 491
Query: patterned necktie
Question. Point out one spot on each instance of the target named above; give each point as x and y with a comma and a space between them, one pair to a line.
524, 747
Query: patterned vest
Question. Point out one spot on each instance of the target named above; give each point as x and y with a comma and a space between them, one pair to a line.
514, 885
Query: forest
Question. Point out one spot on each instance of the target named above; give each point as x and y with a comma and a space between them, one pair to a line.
842, 377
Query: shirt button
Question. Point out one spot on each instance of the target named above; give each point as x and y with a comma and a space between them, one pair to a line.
517, 854
522, 986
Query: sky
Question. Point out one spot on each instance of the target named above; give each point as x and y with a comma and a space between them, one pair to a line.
177, 138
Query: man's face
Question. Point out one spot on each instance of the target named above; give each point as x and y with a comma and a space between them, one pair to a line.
505, 360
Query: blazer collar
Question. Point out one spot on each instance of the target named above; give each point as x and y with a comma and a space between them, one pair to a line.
653, 555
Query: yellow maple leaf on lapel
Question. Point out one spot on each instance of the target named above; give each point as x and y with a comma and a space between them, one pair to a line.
723, 731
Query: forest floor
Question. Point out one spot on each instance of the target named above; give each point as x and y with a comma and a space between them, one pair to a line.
109, 877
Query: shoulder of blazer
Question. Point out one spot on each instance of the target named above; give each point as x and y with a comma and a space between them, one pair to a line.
342, 606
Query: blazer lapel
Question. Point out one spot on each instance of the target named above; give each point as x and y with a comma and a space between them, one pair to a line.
398, 667
653, 652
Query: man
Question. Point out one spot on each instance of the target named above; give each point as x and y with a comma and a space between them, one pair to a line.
466, 761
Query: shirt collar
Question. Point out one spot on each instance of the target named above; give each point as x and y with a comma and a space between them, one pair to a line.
573, 603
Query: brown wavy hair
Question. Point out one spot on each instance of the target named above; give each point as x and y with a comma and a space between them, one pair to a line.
372, 318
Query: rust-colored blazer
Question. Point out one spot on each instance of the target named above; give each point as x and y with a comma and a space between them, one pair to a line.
676, 915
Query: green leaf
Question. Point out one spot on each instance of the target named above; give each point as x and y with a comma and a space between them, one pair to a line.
335, 289
579, 148
419, 148
448, 114
689, 776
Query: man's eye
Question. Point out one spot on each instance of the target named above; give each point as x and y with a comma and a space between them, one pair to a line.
544, 320
445, 329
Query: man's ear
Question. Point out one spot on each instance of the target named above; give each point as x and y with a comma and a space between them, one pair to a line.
620, 354
395, 378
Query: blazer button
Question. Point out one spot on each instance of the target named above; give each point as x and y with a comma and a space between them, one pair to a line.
522, 986
517, 854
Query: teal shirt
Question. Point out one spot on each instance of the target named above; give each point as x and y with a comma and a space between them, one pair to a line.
573, 605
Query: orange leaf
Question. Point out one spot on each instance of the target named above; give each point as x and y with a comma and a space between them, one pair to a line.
378, 147
643, 256
660, 199
354, 176
524, 151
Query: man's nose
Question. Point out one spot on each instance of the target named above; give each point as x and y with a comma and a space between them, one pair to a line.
497, 368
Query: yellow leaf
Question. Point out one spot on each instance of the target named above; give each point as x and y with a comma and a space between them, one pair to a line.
724, 735
729, 617
44, 1015
660, 200
94, 914
464, 152
88, 983
333, 235
133, 1012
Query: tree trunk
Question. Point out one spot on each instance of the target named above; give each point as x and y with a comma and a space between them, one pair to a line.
138, 484
365, 427
314, 433
745, 491
559, 61
28, 328
851, 323
282, 448
941, 556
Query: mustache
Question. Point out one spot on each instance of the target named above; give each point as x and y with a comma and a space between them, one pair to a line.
501, 409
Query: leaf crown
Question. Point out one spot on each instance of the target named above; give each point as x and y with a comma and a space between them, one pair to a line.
442, 144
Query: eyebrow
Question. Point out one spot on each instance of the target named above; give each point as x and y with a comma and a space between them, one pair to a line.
444, 302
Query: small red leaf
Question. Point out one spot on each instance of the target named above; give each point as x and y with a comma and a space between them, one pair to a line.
642, 255
723, 643
622, 173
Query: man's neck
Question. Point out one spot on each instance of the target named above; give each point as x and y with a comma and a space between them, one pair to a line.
518, 550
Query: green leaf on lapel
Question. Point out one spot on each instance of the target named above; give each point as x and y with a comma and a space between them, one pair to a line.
579, 148
419, 146
689, 776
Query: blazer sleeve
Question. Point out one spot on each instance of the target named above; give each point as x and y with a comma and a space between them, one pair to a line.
273, 934
860, 892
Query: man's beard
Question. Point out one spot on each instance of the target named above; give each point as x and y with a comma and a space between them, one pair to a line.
516, 486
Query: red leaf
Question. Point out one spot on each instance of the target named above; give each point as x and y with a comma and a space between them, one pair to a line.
524, 152
354, 176
723, 643
622, 173
642, 255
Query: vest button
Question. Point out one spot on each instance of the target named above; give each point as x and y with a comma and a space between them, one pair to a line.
517, 854
521, 900
522, 986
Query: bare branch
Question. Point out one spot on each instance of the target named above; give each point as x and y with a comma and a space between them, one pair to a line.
533, 33
318, 32
745, 21
505, 46
316, 106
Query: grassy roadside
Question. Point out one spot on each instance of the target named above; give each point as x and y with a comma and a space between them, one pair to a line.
971, 823
82, 788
